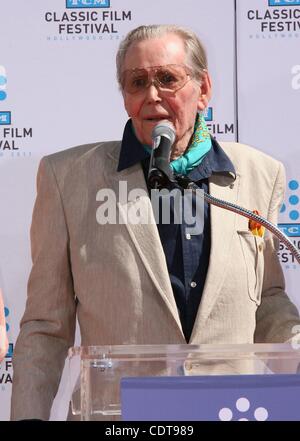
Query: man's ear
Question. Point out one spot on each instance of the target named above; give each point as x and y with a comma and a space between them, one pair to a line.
205, 92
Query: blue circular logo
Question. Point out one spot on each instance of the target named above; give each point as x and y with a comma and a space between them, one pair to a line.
294, 200
293, 185
3, 95
294, 215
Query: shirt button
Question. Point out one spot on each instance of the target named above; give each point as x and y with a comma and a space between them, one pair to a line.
188, 236
193, 284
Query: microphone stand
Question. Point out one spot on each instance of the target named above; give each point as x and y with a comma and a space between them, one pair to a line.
190, 185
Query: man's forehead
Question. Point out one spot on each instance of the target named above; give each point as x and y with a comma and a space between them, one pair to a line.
167, 49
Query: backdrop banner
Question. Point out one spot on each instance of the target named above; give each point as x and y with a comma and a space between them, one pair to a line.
268, 62
58, 89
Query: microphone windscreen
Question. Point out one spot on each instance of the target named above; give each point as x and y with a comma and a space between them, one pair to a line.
166, 129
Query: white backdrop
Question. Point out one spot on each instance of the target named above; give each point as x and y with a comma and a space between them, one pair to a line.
58, 89
268, 61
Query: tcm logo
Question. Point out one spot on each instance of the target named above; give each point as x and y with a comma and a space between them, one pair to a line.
208, 116
284, 2
87, 4
3, 81
290, 230
5, 118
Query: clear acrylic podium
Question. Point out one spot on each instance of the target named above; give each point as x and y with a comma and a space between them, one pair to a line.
96, 371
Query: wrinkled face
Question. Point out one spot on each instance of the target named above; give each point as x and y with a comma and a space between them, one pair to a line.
151, 105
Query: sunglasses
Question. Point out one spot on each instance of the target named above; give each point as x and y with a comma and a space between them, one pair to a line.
168, 79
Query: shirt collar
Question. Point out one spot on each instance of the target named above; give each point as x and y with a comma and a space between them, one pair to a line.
132, 151
215, 161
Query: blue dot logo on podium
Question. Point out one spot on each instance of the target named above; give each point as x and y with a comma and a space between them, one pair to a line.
242, 412
3, 81
292, 207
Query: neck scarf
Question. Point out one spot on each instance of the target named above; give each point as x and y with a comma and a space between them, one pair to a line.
200, 145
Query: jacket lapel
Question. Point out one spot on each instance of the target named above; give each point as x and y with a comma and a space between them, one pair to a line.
144, 235
223, 225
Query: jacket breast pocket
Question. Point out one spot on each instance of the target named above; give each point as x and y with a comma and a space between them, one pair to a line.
253, 252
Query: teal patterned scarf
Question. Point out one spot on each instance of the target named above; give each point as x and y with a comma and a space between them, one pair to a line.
200, 145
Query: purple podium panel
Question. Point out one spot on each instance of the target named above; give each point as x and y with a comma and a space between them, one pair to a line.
211, 398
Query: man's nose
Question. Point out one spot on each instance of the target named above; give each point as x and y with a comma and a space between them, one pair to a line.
153, 92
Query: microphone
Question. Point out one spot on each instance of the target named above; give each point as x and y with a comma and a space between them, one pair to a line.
160, 173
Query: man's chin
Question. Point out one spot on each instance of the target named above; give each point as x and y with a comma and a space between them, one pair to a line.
144, 139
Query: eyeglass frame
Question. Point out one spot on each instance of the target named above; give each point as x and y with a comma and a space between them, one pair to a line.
155, 81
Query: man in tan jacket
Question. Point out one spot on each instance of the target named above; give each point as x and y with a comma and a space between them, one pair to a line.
142, 283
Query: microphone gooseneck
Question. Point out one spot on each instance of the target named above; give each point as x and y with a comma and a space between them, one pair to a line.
186, 183
161, 175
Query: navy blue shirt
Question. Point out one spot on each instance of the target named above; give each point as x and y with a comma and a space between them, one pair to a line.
187, 255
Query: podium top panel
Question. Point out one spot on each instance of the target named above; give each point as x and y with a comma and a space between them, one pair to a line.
98, 371
215, 351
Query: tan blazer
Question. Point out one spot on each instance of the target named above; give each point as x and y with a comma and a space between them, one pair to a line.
115, 276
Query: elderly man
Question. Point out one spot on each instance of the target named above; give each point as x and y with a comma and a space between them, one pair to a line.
133, 283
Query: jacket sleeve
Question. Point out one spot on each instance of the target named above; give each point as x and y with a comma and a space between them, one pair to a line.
48, 325
277, 318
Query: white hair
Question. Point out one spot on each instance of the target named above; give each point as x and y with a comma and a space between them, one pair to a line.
196, 54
